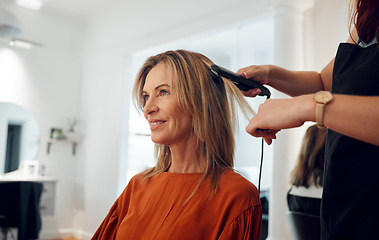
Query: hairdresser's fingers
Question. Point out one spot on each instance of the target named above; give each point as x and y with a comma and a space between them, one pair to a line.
268, 138
256, 73
252, 92
268, 141
266, 134
243, 71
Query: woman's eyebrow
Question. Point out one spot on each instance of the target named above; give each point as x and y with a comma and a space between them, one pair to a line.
162, 85
159, 86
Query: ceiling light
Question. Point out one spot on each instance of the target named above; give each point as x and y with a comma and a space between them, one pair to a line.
30, 4
16, 42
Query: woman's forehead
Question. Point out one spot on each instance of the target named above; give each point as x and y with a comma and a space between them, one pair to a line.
157, 76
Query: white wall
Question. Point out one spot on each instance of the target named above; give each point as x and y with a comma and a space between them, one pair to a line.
62, 80
47, 82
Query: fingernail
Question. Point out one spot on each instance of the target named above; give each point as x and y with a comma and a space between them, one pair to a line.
257, 91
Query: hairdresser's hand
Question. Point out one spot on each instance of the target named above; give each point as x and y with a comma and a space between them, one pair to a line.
258, 73
277, 114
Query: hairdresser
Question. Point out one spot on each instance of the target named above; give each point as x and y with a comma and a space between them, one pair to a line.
343, 97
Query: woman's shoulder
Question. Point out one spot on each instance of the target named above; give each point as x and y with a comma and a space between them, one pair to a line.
136, 180
233, 184
234, 177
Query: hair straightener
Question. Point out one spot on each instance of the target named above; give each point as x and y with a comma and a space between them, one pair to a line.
243, 84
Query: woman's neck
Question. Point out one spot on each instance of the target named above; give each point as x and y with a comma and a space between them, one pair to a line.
187, 158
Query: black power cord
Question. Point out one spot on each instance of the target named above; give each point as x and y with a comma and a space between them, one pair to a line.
260, 169
260, 165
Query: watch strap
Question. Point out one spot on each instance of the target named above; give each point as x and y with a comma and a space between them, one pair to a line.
320, 107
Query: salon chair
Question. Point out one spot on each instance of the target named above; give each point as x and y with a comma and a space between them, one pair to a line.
19, 208
304, 226
264, 197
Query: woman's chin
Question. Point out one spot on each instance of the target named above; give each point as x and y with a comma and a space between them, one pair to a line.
157, 140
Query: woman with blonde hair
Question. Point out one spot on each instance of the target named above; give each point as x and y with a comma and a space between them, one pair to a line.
308, 174
192, 192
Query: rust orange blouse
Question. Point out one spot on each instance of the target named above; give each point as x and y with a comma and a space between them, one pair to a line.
158, 209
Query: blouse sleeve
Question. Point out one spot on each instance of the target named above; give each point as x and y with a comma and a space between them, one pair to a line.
109, 226
247, 226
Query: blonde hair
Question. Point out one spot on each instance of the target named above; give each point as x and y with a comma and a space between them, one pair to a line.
208, 99
310, 165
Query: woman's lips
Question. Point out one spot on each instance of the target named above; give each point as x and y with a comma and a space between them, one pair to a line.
155, 124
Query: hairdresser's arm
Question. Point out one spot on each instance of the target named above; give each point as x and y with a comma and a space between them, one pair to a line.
354, 116
293, 83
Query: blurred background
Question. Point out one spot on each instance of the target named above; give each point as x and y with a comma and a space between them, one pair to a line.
70, 66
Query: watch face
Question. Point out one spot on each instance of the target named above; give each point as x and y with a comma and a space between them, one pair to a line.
323, 97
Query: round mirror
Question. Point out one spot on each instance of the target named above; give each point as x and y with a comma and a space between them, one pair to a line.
19, 136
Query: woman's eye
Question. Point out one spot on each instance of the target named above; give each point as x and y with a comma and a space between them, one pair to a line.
163, 92
145, 98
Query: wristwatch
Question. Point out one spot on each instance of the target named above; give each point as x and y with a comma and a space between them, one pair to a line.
322, 98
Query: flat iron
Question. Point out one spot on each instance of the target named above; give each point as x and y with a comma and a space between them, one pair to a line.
242, 83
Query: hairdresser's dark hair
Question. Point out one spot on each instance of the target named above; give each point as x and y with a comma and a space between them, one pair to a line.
365, 18
310, 165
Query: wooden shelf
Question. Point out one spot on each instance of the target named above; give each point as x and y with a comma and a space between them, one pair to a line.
54, 140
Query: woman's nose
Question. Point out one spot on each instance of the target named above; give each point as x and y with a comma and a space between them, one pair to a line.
150, 107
